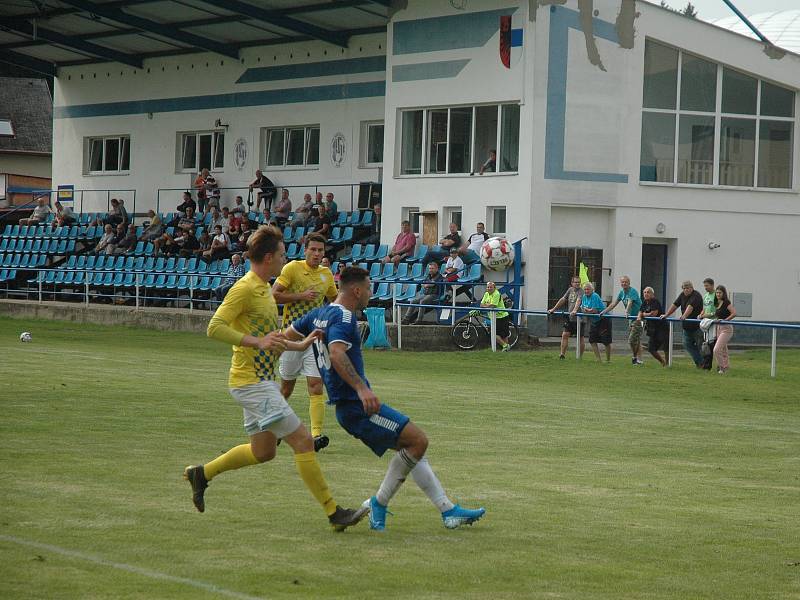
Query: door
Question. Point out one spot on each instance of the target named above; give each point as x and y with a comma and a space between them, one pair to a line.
430, 228
564, 263
654, 270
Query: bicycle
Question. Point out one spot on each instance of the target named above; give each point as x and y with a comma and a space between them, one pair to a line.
468, 330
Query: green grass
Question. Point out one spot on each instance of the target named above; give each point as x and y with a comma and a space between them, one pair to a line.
600, 481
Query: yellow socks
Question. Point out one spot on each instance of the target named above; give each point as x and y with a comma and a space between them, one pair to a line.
312, 476
316, 410
235, 458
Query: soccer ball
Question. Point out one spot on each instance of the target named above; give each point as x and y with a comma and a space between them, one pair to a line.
25, 336
497, 254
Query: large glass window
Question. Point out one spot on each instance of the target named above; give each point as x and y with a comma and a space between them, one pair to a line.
752, 119
460, 139
497, 220
202, 150
107, 155
371, 144
291, 146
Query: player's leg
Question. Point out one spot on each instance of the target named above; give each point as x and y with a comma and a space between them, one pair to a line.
316, 410
287, 387
289, 370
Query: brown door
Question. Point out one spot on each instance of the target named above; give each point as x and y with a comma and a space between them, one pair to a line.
430, 228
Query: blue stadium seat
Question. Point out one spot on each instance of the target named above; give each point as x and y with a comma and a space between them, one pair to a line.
407, 292
366, 219
382, 292
139, 250
7, 231
355, 217
287, 235
341, 219
100, 261
292, 252
419, 253
4, 244
29, 246
299, 232
355, 254
375, 271
128, 264
387, 272
336, 235
471, 274
149, 263
91, 261
417, 275
400, 274
381, 252
200, 267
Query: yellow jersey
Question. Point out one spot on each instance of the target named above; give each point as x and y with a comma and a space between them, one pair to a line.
248, 309
297, 277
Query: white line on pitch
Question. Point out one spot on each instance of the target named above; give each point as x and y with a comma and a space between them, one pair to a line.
208, 587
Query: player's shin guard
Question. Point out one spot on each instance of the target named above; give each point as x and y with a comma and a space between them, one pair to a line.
235, 458
311, 474
427, 481
316, 411
399, 467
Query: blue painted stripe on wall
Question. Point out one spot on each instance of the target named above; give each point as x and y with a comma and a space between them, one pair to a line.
434, 70
516, 38
561, 21
324, 68
321, 93
469, 30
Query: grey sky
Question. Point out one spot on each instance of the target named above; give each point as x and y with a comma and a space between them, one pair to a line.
711, 10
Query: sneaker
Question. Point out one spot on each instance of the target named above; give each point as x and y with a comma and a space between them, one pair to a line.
197, 479
457, 516
320, 442
561, 357
506, 348
347, 517
633, 360
377, 513
638, 362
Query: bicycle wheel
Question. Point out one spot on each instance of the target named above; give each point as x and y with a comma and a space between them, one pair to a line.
513, 334
465, 335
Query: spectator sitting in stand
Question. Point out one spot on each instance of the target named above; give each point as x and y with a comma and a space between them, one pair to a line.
188, 202
216, 218
267, 192
330, 207
375, 226
154, 229
214, 199
235, 219
239, 208
235, 272
451, 239
233, 236
114, 216
64, 216
303, 211
338, 275
105, 240
476, 240
190, 244
454, 267
39, 214
282, 209
203, 244
199, 186
240, 242
403, 245
225, 219
219, 246
432, 293
323, 222
128, 242
124, 212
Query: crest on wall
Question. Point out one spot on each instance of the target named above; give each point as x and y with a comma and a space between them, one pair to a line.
338, 149
240, 153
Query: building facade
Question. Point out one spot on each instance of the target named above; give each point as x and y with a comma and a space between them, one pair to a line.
631, 139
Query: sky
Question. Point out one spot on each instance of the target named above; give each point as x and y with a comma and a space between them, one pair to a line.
711, 10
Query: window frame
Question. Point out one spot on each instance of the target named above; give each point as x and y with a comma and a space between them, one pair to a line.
490, 210
121, 139
10, 126
215, 135
306, 153
366, 127
426, 143
718, 117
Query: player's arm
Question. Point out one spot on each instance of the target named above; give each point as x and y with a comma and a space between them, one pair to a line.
219, 328
282, 296
344, 367
295, 340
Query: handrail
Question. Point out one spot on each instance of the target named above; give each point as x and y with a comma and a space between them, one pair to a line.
108, 192
18, 207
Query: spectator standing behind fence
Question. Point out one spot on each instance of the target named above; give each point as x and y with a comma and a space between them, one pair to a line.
451, 239
267, 190
569, 299
632, 303
493, 299
600, 326
235, 272
432, 292
657, 331
40, 212
709, 311
691, 304
199, 186
724, 311
403, 245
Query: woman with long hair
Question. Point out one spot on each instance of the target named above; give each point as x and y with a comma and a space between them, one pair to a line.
724, 312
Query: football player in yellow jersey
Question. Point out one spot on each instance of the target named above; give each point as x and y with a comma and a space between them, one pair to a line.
248, 320
301, 287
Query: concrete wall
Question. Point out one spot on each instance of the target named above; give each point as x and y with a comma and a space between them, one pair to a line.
29, 165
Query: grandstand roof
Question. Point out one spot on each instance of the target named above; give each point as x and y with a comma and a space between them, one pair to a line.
75, 32
27, 104
782, 28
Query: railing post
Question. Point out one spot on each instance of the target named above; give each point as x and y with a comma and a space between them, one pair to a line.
578, 338
137, 291
774, 351
399, 331
493, 330
670, 345
40, 286
453, 310
86, 287
191, 293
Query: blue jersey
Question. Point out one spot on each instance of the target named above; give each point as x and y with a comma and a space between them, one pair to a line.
339, 325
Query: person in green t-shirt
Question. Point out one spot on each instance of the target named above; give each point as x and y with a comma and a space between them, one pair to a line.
493, 299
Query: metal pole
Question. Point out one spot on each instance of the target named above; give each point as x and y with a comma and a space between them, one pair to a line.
40, 287
86, 287
191, 294
774, 350
577, 338
671, 344
493, 330
399, 333
453, 314
137, 291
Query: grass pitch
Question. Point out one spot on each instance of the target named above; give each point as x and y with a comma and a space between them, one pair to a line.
600, 481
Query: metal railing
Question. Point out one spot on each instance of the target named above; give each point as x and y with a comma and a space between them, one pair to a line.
129, 196
493, 327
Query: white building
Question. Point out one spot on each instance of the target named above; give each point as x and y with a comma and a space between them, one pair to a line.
635, 140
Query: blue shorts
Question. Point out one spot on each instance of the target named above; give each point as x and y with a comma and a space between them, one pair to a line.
379, 432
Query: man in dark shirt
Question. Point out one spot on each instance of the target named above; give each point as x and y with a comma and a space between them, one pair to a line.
691, 304
268, 190
323, 222
190, 244
431, 294
453, 239
657, 331
187, 202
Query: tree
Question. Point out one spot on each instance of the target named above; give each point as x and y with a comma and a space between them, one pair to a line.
688, 11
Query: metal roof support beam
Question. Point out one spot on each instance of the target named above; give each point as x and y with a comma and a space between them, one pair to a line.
278, 18
73, 43
28, 62
161, 29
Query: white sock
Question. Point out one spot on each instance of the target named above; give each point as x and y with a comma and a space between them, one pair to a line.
400, 466
427, 481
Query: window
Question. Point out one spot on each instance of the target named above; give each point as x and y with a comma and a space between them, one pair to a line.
413, 216
104, 155
6, 128
707, 124
459, 139
202, 150
292, 146
452, 214
496, 218
371, 144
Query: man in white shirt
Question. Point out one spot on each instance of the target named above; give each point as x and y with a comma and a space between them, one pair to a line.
476, 240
